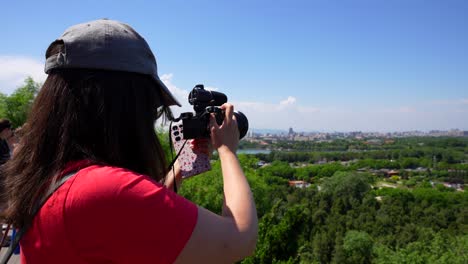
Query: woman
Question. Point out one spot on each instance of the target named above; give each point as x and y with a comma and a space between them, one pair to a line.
94, 117
7, 140
7, 144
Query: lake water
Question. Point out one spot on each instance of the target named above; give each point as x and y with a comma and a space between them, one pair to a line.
253, 151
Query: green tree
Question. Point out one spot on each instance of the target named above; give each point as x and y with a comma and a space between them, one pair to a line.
279, 169
163, 137
16, 106
358, 247
205, 189
347, 185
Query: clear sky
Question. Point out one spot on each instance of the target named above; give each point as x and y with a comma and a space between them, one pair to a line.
331, 65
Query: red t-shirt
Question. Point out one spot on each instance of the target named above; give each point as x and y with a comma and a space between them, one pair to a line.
106, 214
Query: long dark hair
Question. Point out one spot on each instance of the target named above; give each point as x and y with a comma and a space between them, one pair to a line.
103, 116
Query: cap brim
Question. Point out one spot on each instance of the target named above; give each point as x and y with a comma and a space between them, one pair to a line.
168, 98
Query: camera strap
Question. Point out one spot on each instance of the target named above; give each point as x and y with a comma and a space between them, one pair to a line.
15, 242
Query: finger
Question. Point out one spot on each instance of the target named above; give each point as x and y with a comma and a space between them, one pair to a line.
194, 144
200, 148
212, 134
199, 143
213, 123
234, 124
229, 112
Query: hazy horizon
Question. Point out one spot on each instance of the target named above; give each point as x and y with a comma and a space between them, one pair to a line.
272, 130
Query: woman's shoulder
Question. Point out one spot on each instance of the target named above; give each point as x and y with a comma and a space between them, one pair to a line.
110, 192
101, 181
99, 172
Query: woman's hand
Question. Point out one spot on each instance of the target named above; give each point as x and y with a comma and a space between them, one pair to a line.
225, 137
202, 145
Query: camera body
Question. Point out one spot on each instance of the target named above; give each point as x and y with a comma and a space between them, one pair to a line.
195, 125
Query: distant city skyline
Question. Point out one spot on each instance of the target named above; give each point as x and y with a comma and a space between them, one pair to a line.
286, 131
452, 132
312, 65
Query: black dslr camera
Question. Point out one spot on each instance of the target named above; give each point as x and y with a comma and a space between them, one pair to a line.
195, 125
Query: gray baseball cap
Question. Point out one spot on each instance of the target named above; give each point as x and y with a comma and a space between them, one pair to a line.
106, 45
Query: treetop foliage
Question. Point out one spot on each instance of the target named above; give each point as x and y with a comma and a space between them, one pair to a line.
16, 106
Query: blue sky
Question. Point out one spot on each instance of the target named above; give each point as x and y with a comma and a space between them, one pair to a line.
330, 65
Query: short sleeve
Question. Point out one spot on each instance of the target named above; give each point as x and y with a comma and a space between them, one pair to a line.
115, 215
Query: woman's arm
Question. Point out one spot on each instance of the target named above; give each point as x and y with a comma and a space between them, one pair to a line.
231, 236
174, 175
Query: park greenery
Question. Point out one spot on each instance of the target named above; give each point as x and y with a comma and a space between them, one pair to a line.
15, 107
401, 201
349, 215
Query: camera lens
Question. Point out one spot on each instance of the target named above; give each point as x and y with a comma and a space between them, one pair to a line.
242, 123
